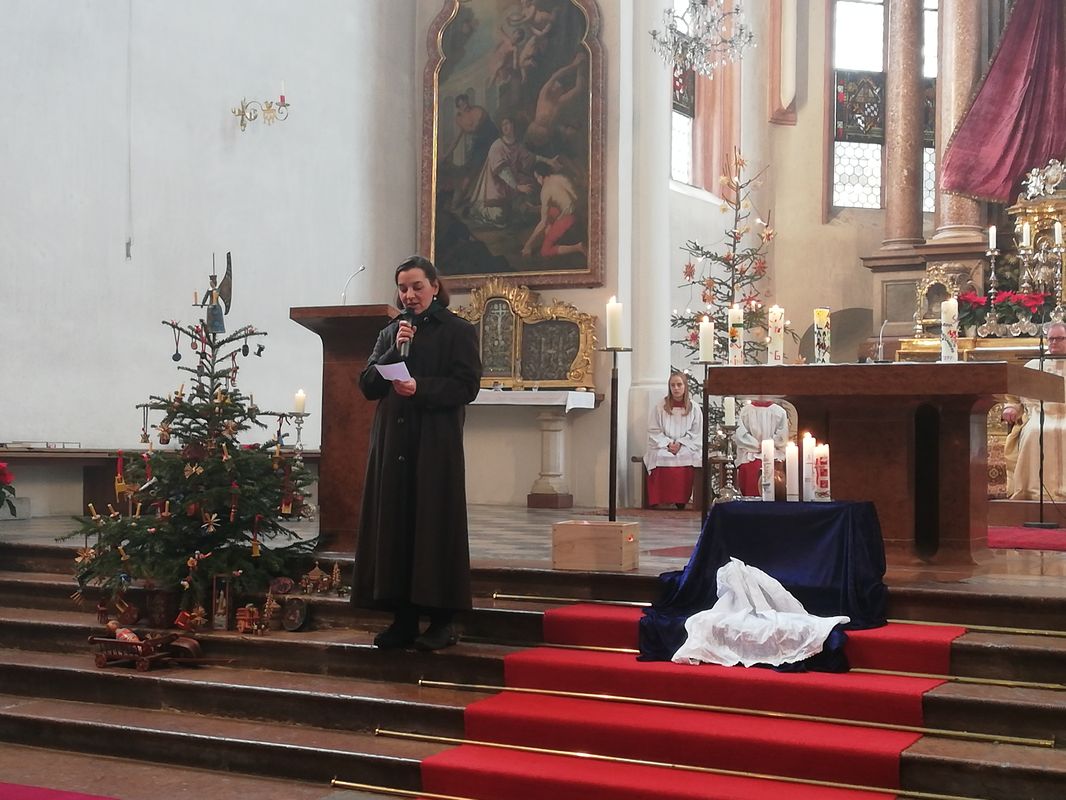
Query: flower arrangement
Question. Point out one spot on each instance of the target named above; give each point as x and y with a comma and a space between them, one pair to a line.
973, 309
1023, 306
7, 488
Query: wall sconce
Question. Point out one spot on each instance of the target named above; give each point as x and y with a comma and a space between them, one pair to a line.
249, 110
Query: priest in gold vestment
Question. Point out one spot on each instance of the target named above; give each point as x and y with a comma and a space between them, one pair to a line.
1022, 448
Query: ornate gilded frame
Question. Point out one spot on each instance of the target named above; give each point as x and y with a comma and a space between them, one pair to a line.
947, 275
527, 314
538, 270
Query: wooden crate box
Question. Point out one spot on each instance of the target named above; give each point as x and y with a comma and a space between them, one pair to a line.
596, 545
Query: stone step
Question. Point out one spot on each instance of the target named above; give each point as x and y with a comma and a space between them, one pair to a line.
279, 697
989, 771
293, 750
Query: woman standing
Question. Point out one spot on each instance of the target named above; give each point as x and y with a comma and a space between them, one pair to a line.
412, 556
675, 445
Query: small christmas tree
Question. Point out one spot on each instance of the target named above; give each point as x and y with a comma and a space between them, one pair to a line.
212, 506
728, 276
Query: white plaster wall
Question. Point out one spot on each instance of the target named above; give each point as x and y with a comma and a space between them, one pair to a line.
125, 130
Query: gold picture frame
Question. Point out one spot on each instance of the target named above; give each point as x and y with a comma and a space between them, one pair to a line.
512, 178
526, 345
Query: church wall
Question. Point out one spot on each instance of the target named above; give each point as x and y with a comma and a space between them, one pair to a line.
125, 132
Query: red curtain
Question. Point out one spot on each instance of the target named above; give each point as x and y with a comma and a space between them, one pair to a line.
1017, 121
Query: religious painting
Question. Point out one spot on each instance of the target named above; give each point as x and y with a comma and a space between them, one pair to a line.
512, 150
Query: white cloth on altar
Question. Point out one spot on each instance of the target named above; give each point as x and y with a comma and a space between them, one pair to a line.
755, 621
674, 425
758, 422
1023, 443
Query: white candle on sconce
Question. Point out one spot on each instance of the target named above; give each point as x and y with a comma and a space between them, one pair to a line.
775, 350
614, 323
1027, 234
1058, 233
766, 480
729, 411
792, 476
299, 401
706, 340
991, 237
735, 318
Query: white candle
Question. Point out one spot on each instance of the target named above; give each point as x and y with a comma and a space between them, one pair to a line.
949, 330
822, 492
1058, 233
792, 472
991, 237
299, 401
729, 411
822, 346
614, 323
283, 92
775, 321
766, 482
706, 340
1026, 235
736, 336
809, 443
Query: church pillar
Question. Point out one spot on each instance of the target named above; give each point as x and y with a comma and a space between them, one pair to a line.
903, 126
649, 287
960, 69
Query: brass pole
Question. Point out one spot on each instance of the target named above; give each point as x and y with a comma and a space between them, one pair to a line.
749, 712
1057, 687
984, 628
424, 737
369, 787
537, 598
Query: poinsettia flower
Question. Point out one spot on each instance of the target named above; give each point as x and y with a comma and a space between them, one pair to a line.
1032, 301
973, 299
6, 476
1004, 296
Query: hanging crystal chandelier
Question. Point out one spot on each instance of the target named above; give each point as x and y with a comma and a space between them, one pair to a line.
704, 36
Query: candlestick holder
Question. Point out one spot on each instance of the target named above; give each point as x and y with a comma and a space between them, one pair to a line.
705, 495
729, 491
250, 110
612, 489
298, 448
991, 326
1058, 313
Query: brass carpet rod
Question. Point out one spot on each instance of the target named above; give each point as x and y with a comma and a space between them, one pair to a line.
534, 598
750, 712
370, 787
424, 737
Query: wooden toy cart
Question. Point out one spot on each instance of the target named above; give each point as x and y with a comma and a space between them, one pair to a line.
143, 654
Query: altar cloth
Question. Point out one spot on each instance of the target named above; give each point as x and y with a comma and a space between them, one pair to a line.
830, 556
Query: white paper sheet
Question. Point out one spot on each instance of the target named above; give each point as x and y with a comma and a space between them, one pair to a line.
394, 372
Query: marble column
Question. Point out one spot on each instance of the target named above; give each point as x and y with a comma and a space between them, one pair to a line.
903, 126
649, 238
960, 69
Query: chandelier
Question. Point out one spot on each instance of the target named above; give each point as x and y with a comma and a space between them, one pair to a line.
704, 36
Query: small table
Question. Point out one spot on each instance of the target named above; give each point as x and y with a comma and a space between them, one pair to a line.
830, 556
552, 488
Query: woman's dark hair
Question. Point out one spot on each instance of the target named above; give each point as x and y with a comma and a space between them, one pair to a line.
424, 264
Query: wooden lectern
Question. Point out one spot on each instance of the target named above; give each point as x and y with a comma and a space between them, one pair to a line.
911, 437
348, 334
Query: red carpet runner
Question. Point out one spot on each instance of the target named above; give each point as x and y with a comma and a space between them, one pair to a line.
11, 791
693, 737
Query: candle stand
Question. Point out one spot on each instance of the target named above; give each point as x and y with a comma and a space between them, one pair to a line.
612, 500
730, 490
298, 449
991, 326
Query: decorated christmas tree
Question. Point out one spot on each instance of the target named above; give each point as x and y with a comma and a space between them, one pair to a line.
207, 505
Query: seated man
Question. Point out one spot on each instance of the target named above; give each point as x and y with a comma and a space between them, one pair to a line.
758, 420
1023, 443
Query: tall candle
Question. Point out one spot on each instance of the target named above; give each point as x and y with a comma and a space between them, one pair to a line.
766, 482
1058, 233
736, 336
614, 323
1026, 235
809, 443
822, 492
949, 331
706, 340
821, 336
283, 93
299, 401
729, 411
775, 321
991, 237
792, 472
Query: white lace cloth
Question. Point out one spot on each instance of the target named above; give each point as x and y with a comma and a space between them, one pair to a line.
755, 621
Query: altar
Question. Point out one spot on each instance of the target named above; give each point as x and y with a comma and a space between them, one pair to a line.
911, 437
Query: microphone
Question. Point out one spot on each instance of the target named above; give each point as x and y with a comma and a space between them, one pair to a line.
345, 289
407, 316
881, 342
